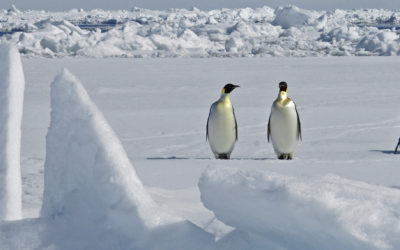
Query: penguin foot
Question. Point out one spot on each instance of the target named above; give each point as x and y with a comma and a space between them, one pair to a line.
282, 156
285, 156
223, 156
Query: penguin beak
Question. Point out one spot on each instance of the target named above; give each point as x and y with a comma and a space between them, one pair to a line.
236, 86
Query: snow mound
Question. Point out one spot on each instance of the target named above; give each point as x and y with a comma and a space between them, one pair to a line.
92, 195
322, 213
13, 10
291, 16
259, 32
12, 85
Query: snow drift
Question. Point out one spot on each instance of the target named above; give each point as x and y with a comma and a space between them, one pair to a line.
85, 161
321, 213
90, 183
259, 32
12, 85
93, 198
88, 177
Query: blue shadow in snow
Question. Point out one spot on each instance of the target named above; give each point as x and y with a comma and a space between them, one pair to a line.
205, 158
177, 158
388, 152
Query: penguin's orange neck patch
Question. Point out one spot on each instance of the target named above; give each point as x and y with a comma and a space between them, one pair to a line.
282, 95
223, 91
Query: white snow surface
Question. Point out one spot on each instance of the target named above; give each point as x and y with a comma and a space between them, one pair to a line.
247, 32
12, 85
328, 212
158, 107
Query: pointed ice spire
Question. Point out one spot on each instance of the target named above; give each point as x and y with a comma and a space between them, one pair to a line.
12, 85
88, 176
13, 10
91, 189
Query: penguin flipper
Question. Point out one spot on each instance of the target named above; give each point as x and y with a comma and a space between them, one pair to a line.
208, 119
236, 127
269, 128
298, 125
207, 125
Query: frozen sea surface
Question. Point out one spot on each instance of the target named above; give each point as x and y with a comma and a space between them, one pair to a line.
349, 108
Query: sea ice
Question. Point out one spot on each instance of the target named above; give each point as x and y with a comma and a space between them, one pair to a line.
259, 32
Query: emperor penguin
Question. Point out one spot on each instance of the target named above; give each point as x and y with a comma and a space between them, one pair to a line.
284, 127
221, 129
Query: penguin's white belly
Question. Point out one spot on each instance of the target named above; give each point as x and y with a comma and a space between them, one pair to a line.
222, 129
283, 128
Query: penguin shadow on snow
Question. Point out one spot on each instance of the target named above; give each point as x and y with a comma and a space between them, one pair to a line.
209, 158
388, 152
177, 158
253, 159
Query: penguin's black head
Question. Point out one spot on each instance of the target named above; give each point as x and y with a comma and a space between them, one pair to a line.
283, 86
228, 88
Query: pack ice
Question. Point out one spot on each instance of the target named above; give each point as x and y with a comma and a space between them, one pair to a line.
259, 32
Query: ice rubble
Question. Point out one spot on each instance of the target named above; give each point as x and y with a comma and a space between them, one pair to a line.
285, 31
328, 212
12, 85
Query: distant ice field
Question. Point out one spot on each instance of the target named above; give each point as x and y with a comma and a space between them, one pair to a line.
349, 109
286, 31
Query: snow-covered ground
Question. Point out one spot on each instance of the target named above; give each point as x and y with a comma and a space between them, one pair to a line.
340, 191
113, 150
260, 32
